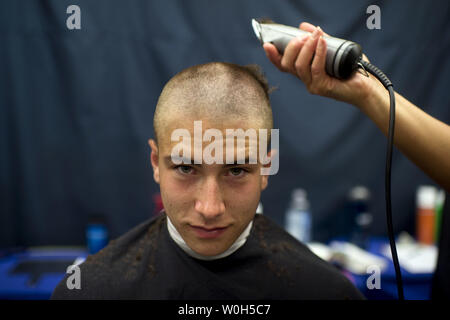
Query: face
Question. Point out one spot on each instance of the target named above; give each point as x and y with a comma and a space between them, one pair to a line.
209, 204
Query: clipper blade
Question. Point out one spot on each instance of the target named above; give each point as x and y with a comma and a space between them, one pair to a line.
257, 29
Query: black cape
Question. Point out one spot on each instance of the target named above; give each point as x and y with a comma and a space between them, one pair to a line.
145, 263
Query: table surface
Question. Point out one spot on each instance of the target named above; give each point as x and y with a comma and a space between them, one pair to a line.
34, 273
416, 286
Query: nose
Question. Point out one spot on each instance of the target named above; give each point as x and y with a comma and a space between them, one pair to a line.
209, 202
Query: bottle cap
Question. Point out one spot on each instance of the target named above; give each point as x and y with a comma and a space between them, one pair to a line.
426, 197
299, 199
359, 193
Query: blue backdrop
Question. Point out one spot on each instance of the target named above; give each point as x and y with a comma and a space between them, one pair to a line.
76, 107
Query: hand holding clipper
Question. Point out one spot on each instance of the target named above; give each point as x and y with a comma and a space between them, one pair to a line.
342, 55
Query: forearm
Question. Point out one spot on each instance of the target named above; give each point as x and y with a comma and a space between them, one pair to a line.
422, 138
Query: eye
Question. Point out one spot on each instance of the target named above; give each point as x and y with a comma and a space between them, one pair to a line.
184, 169
237, 172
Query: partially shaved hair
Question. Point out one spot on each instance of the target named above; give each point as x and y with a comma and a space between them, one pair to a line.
217, 90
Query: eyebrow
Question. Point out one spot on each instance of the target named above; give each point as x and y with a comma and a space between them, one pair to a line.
186, 161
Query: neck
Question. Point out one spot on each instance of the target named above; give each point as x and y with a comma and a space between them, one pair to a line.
175, 235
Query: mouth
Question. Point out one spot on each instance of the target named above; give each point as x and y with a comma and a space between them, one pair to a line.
208, 233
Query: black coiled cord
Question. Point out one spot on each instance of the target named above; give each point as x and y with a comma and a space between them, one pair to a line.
388, 85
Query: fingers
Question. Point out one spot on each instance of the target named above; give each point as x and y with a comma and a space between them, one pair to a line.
319, 78
290, 54
286, 61
306, 26
304, 59
273, 55
319, 61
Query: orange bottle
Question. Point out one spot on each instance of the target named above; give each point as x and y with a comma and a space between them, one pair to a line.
425, 214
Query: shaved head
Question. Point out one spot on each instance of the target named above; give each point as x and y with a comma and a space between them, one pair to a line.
217, 187
217, 91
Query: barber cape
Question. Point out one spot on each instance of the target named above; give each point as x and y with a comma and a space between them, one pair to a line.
146, 263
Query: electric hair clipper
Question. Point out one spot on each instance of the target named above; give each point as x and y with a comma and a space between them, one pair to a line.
342, 58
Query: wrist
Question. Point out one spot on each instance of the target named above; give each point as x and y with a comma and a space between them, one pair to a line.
373, 95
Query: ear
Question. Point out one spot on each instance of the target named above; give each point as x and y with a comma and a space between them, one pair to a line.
154, 159
265, 178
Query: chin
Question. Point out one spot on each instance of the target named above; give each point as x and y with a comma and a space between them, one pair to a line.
205, 251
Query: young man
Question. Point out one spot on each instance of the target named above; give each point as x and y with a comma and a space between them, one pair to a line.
208, 243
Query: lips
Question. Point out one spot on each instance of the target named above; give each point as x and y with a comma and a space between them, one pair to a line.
208, 233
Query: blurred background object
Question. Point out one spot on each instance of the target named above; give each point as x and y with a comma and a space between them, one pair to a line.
359, 197
298, 216
96, 233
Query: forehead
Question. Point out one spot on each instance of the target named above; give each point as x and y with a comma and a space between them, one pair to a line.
204, 125
214, 142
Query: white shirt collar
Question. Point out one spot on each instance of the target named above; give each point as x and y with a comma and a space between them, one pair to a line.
175, 235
